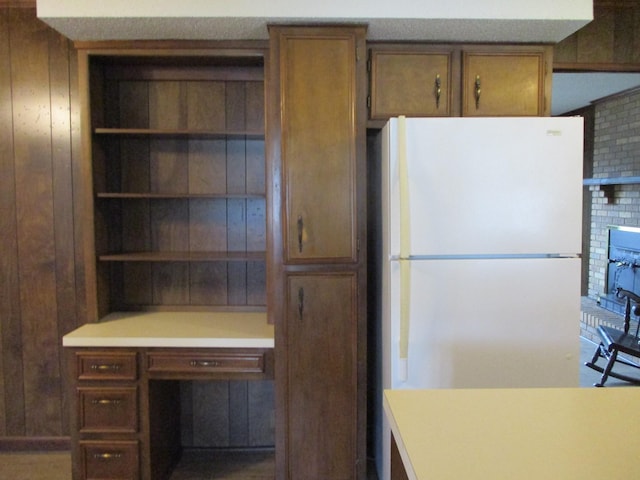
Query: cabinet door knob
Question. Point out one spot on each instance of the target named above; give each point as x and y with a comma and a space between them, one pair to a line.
477, 91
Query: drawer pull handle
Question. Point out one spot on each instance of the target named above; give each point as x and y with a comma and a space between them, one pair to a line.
106, 401
106, 367
478, 91
107, 456
204, 363
438, 90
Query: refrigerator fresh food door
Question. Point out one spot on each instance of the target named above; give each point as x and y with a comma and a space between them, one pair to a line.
485, 186
486, 323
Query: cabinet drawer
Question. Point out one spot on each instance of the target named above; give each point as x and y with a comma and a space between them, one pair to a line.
108, 409
106, 366
190, 362
117, 460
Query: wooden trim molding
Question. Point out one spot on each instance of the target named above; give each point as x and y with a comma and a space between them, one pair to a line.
18, 3
25, 444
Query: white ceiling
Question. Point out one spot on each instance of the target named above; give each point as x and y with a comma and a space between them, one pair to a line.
571, 91
426, 20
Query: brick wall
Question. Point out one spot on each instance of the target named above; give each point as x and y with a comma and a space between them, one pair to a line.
616, 153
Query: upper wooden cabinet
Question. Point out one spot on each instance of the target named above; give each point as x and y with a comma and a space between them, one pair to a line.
469, 80
506, 81
318, 92
413, 81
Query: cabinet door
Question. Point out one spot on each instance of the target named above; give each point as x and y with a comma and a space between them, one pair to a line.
318, 83
414, 83
322, 371
505, 83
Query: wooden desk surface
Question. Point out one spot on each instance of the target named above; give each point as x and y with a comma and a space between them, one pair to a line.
547, 433
175, 329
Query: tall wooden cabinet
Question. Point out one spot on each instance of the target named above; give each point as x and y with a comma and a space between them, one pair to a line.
316, 166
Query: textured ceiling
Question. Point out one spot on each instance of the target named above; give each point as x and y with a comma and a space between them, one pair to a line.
234, 28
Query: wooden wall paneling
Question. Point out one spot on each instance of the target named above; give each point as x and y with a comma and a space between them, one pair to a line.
208, 284
11, 378
35, 223
167, 105
132, 108
211, 409
255, 166
207, 232
610, 42
238, 413
595, 40
60, 51
261, 420
206, 105
255, 106
235, 120
207, 166
170, 232
256, 284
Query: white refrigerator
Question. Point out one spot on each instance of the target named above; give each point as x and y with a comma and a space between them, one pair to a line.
480, 269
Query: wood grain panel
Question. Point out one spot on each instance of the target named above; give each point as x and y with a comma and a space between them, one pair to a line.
611, 42
326, 390
205, 105
167, 105
207, 166
35, 223
255, 163
11, 379
59, 52
318, 148
134, 157
255, 106
211, 407
261, 419
595, 40
238, 414
169, 163
208, 284
133, 106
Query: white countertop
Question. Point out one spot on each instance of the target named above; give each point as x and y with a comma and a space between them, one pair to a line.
175, 329
528, 434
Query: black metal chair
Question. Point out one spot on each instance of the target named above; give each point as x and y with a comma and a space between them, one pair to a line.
616, 341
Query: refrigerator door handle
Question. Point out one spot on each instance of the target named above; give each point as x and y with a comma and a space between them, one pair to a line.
405, 248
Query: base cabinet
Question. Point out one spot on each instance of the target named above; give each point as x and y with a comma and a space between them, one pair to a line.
126, 404
322, 398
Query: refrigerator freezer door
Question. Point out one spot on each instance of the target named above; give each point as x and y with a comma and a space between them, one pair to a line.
488, 323
485, 186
